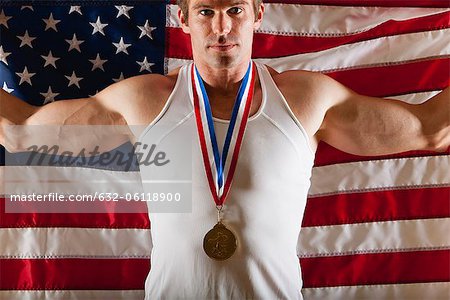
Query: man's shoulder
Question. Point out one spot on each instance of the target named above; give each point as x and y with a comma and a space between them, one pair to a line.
293, 79
139, 98
149, 83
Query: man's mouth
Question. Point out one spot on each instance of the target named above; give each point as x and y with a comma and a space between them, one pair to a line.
223, 48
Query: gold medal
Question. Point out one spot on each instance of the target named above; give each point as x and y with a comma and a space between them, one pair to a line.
219, 243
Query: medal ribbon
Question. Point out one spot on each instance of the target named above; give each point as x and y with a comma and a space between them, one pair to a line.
235, 133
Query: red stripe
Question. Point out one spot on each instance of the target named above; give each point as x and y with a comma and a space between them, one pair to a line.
386, 3
407, 204
380, 268
397, 79
179, 44
274, 45
86, 220
73, 274
328, 155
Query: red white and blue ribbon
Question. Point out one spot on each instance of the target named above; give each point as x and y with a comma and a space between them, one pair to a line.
220, 167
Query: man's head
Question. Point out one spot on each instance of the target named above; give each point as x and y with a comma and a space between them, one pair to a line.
221, 30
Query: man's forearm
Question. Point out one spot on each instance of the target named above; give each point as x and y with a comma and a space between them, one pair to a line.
14, 109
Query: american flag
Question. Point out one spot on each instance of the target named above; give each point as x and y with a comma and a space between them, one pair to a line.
374, 227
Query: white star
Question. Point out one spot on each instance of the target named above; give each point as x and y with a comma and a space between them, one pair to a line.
51, 23
73, 79
121, 46
98, 26
50, 59
145, 65
26, 39
25, 76
49, 96
4, 55
74, 43
4, 19
75, 9
123, 10
146, 30
27, 6
98, 63
6, 88
120, 78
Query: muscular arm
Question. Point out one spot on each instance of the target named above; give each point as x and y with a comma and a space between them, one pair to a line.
135, 101
372, 126
364, 125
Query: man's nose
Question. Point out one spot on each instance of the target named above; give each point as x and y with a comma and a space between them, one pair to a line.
221, 24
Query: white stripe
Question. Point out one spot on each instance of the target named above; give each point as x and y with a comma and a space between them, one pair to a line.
378, 51
380, 174
415, 98
69, 180
321, 20
374, 237
71, 243
416, 291
73, 295
375, 52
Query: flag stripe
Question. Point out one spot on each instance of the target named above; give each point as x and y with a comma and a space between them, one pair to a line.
73, 294
418, 291
328, 155
380, 175
390, 50
61, 243
415, 98
380, 268
374, 237
85, 220
377, 206
398, 79
66, 274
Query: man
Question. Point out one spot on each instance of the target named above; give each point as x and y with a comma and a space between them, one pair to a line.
288, 114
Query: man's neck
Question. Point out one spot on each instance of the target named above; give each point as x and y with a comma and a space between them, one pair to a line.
224, 82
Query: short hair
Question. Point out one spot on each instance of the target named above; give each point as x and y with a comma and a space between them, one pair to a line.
183, 4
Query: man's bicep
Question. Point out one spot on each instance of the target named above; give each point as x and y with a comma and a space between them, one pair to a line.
373, 126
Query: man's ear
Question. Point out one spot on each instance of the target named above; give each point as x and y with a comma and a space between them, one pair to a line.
183, 21
259, 17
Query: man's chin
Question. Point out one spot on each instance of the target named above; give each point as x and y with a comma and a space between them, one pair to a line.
225, 61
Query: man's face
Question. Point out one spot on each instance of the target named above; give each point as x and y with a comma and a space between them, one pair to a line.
221, 30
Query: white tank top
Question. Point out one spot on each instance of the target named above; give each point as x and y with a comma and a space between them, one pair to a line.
264, 208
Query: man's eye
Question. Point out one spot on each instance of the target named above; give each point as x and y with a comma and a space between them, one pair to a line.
206, 12
235, 10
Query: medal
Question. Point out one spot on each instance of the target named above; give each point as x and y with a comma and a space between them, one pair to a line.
220, 242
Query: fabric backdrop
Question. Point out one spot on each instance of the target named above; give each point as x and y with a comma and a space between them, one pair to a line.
374, 227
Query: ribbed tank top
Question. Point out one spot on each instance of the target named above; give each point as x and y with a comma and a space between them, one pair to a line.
264, 208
